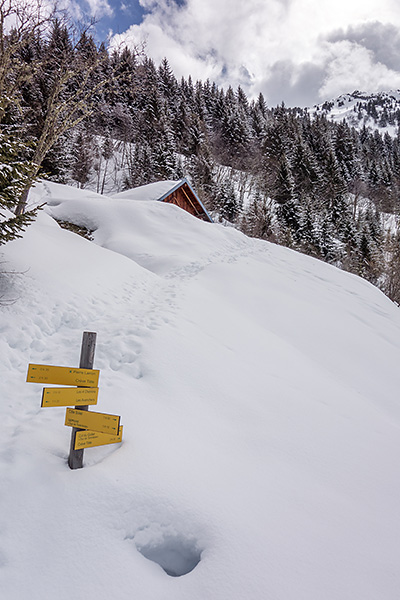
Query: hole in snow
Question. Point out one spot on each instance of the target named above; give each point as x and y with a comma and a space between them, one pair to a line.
174, 553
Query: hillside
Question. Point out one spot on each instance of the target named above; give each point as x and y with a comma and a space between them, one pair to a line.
111, 119
258, 390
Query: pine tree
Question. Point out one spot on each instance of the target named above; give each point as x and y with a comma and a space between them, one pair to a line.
391, 285
334, 189
83, 159
140, 166
306, 230
227, 201
257, 220
325, 238
370, 247
305, 170
345, 151
168, 84
15, 175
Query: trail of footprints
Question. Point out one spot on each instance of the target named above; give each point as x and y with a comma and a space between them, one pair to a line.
152, 308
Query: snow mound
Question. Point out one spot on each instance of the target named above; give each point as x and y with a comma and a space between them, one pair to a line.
151, 191
160, 237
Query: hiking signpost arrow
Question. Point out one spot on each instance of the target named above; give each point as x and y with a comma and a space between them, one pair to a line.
94, 421
88, 439
62, 375
88, 428
69, 396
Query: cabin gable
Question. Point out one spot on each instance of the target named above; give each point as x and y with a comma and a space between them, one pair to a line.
185, 197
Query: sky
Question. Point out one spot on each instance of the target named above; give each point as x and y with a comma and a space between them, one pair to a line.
300, 52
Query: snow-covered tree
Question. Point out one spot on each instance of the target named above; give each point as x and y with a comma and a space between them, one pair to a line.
15, 175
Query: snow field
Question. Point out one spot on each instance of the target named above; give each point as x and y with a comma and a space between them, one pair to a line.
258, 390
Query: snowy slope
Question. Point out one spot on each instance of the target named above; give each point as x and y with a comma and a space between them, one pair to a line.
258, 389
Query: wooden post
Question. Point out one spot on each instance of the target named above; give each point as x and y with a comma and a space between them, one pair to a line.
75, 459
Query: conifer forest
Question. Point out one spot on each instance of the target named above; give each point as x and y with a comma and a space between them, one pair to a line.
75, 112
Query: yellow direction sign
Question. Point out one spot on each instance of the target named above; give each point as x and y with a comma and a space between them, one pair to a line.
89, 439
63, 375
69, 396
100, 422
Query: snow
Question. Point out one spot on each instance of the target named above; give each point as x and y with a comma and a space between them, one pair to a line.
151, 191
258, 390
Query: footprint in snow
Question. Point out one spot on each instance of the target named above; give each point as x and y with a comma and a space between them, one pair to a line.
176, 553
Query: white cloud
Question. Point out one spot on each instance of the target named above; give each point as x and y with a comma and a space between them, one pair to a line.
77, 9
72, 7
235, 42
382, 40
353, 66
99, 8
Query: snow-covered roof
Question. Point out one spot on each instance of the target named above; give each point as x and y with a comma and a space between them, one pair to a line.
151, 191
158, 191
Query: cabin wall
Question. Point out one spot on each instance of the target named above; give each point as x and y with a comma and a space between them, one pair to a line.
184, 198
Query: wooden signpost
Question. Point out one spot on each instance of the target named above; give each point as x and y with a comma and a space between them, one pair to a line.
89, 429
75, 459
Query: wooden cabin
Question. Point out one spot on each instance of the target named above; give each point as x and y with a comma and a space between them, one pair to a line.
180, 193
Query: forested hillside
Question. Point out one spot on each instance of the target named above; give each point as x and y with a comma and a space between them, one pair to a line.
292, 176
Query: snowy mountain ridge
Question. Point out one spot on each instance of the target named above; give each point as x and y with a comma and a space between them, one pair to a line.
376, 111
258, 390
